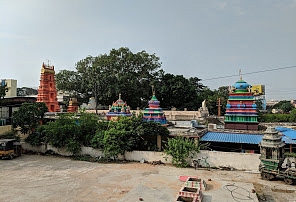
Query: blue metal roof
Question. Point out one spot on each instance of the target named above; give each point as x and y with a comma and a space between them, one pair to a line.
289, 137
291, 133
232, 137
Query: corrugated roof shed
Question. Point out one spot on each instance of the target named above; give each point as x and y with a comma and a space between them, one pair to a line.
232, 137
289, 135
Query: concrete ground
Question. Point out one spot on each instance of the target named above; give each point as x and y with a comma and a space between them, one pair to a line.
50, 178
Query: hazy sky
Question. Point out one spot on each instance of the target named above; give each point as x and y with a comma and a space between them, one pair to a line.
206, 39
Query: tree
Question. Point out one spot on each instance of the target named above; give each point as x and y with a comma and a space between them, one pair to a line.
293, 115
180, 149
105, 76
71, 131
177, 91
212, 98
29, 116
3, 90
25, 91
285, 105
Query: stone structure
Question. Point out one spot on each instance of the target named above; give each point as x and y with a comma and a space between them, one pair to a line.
271, 149
203, 110
47, 91
241, 110
118, 109
73, 105
154, 112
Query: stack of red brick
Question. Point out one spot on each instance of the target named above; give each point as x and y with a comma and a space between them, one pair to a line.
191, 191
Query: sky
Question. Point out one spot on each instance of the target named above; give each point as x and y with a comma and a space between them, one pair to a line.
211, 40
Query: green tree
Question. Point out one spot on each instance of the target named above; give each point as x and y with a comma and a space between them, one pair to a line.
105, 76
3, 90
119, 137
293, 115
285, 105
71, 131
25, 91
180, 149
212, 98
177, 91
29, 116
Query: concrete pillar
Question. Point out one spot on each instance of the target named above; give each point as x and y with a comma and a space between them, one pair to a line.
159, 142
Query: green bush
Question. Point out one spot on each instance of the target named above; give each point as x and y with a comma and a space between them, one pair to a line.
180, 149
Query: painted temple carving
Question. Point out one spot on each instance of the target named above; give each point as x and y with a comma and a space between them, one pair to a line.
118, 109
47, 91
154, 112
73, 105
241, 110
272, 147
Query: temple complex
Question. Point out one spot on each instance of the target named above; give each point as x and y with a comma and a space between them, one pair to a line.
118, 109
154, 112
272, 146
47, 92
73, 105
241, 110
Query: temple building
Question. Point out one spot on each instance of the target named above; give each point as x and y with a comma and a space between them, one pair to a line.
272, 147
241, 110
73, 105
47, 91
118, 109
154, 112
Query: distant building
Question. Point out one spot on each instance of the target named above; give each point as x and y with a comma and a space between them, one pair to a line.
11, 84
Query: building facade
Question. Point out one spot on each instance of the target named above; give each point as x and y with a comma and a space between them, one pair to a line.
241, 110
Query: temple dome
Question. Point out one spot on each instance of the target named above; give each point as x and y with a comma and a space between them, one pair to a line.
241, 84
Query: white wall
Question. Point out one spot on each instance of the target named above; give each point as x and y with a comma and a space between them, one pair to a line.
147, 156
240, 161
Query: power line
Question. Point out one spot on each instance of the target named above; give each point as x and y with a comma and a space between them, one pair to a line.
261, 71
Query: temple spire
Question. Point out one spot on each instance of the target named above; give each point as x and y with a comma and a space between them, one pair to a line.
240, 74
153, 90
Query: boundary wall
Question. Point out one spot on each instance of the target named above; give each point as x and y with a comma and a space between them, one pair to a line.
240, 161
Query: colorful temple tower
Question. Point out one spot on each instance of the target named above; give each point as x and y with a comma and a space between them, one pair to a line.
47, 91
241, 110
154, 112
118, 109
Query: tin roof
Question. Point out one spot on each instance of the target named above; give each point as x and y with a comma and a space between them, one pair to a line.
289, 135
232, 137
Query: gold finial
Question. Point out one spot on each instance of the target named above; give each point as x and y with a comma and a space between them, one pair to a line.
240, 74
153, 90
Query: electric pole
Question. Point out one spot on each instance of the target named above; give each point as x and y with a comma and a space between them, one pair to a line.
219, 107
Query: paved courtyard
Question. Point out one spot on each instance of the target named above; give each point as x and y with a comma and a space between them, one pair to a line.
50, 178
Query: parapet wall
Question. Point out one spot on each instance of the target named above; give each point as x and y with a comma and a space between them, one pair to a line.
4, 129
171, 115
240, 161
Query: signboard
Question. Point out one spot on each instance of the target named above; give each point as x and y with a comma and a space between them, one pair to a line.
258, 90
